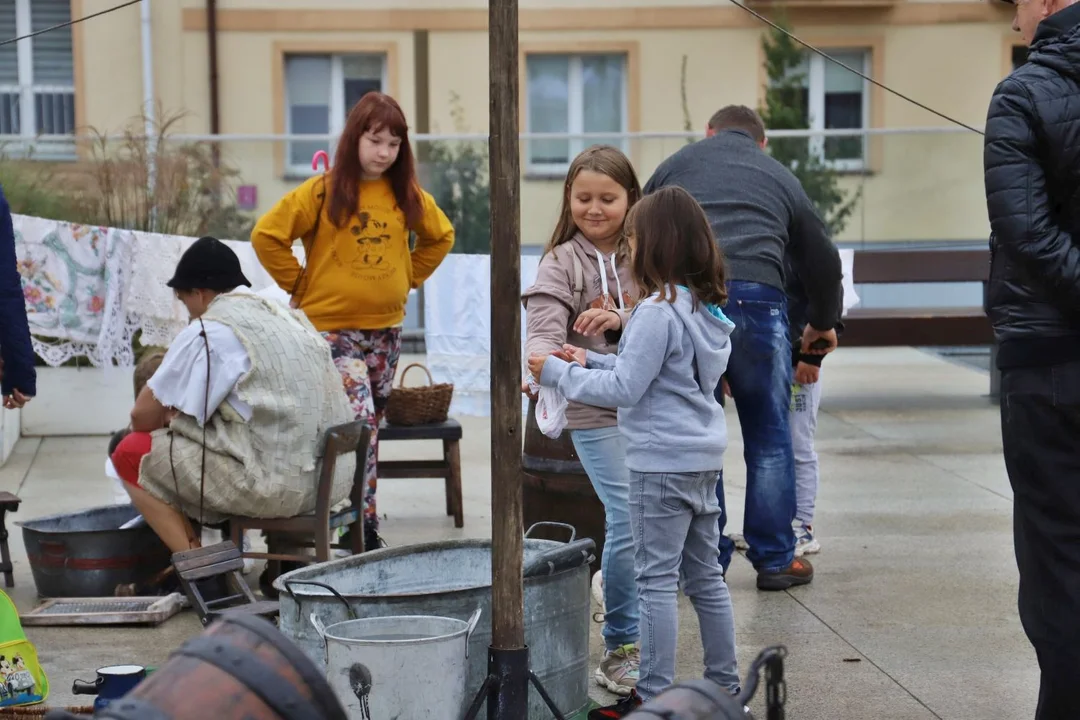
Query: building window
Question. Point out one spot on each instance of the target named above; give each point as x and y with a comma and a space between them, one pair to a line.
1019, 55
572, 94
319, 92
837, 99
37, 75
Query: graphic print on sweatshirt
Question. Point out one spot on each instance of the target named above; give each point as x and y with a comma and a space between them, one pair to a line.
366, 252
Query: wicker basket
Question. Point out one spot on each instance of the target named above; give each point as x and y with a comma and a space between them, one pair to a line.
37, 712
419, 405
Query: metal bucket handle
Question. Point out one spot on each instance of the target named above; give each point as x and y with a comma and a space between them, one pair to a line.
548, 523
473, 622
320, 628
324, 586
561, 557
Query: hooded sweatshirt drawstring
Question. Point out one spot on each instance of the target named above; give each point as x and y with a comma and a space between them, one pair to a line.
603, 278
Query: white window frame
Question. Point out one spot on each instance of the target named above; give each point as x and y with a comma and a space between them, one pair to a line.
27, 91
815, 93
575, 110
337, 101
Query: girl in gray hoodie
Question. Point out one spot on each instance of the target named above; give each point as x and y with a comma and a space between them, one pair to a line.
583, 295
672, 353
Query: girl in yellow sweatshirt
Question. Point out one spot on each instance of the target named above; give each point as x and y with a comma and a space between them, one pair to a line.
354, 222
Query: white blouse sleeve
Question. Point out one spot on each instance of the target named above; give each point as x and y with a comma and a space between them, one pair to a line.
180, 381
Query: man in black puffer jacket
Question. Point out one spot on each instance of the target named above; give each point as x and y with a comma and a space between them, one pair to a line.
1032, 164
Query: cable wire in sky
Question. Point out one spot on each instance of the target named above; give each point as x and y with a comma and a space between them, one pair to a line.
70, 22
737, 3
869, 79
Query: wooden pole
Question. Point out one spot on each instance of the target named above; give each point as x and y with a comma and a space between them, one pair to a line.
507, 590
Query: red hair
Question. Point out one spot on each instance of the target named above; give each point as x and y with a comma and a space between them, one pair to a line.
373, 112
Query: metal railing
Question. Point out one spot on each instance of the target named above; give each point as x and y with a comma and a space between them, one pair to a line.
919, 186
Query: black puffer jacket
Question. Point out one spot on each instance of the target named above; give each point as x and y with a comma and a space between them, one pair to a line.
1032, 164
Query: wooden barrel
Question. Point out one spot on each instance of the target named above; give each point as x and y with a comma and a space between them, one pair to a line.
557, 488
240, 668
691, 700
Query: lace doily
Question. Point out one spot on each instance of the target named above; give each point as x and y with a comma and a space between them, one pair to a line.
73, 279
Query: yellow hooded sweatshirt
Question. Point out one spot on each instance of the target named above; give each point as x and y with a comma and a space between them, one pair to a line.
357, 277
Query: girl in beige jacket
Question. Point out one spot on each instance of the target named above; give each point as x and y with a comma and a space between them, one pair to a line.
583, 295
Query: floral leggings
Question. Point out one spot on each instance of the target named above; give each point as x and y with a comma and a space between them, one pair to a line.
367, 361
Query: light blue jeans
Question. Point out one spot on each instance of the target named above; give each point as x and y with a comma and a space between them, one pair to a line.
676, 536
602, 452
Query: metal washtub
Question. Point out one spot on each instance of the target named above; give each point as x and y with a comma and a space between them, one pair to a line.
452, 579
86, 554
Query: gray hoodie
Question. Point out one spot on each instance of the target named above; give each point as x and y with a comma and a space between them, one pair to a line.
670, 361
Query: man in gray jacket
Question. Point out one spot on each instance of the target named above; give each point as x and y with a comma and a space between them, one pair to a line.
759, 211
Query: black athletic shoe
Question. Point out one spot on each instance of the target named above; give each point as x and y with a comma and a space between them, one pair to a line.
373, 540
621, 709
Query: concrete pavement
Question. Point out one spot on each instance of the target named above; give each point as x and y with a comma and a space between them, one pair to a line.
911, 616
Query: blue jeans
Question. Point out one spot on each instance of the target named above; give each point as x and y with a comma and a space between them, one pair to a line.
602, 452
759, 374
676, 534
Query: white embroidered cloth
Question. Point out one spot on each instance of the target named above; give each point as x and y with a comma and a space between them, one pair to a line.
153, 305
73, 280
457, 328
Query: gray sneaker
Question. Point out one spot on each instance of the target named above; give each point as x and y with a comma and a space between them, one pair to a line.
618, 671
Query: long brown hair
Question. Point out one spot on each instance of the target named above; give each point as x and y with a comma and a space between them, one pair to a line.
674, 245
373, 112
606, 160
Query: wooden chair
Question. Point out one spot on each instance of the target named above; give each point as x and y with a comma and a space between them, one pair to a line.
315, 530
448, 468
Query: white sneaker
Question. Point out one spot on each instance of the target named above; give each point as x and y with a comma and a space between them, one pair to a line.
739, 540
805, 544
598, 596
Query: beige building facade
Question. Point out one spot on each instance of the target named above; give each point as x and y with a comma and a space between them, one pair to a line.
586, 66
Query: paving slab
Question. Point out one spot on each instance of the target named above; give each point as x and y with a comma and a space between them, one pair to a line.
912, 614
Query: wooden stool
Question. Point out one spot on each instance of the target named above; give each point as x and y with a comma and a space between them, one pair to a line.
8, 503
449, 468
219, 561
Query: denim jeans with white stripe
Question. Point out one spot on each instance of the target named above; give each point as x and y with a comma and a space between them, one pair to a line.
676, 537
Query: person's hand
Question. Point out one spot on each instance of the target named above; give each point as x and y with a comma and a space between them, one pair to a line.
536, 365
571, 354
595, 321
811, 335
806, 374
725, 387
16, 400
526, 390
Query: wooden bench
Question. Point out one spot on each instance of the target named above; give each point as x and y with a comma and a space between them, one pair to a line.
448, 468
921, 326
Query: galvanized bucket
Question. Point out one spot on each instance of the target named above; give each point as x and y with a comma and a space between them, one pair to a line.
452, 578
400, 666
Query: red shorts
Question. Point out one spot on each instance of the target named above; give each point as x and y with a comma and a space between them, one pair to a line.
129, 454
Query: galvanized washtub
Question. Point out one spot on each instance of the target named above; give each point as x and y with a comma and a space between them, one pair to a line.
452, 579
86, 554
